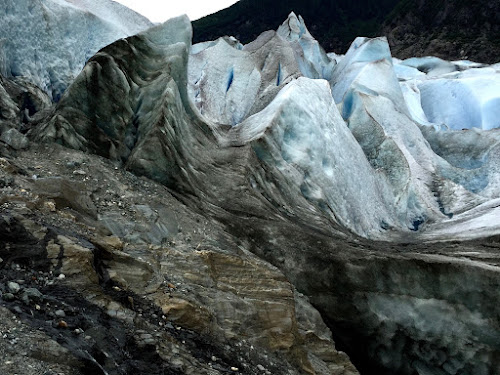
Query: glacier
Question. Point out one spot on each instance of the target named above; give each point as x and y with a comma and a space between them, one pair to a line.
57, 37
366, 116
356, 174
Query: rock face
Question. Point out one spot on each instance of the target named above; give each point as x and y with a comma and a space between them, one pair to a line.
281, 169
198, 303
49, 42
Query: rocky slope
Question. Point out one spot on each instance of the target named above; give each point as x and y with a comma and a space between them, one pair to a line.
115, 276
214, 208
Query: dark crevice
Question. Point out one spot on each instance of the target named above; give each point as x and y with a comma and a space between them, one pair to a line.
230, 79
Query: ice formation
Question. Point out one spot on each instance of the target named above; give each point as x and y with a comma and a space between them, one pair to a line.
57, 37
306, 116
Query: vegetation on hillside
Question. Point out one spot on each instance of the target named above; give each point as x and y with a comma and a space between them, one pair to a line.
447, 28
335, 23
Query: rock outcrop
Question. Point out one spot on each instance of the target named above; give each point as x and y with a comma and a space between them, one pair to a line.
198, 302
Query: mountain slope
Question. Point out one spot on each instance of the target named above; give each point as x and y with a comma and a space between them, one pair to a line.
448, 29
335, 23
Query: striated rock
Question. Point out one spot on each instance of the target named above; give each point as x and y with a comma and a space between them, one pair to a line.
72, 259
66, 193
178, 306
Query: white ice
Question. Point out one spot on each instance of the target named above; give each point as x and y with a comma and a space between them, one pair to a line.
470, 101
49, 41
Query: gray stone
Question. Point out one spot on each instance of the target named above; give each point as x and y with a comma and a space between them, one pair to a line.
18, 310
66, 193
8, 297
60, 313
14, 139
13, 287
31, 295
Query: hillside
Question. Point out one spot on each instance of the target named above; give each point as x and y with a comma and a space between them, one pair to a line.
448, 29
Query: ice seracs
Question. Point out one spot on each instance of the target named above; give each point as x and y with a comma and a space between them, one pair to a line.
301, 137
310, 56
464, 102
355, 143
49, 41
229, 81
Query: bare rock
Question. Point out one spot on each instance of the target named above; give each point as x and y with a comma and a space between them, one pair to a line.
66, 193
14, 139
13, 287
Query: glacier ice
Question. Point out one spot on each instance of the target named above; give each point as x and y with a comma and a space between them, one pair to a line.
367, 65
312, 59
228, 84
463, 103
304, 114
430, 65
55, 38
450, 95
229, 81
302, 135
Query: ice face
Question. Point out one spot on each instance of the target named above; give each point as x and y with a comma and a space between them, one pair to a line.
405, 72
227, 83
463, 103
302, 136
432, 66
450, 95
312, 59
367, 64
224, 89
56, 37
